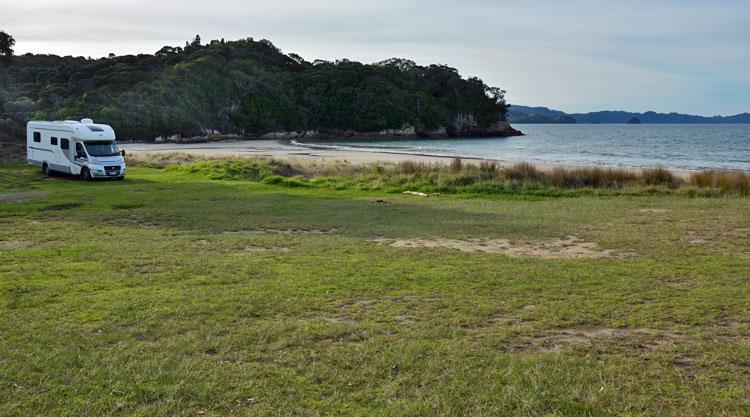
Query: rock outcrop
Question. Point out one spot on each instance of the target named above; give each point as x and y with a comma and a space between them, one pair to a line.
467, 126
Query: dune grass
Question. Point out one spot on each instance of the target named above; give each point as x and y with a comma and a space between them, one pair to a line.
482, 178
219, 288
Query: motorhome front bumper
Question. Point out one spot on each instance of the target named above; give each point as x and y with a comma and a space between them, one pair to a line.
108, 171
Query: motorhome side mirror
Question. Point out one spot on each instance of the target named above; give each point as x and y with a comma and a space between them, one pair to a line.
123, 153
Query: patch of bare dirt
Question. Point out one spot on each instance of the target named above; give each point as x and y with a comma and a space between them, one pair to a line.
653, 210
15, 197
339, 320
280, 232
714, 237
365, 303
738, 231
679, 283
265, 249
563, 339
569, 248
693, 238
404, 319
14, 244
130, 220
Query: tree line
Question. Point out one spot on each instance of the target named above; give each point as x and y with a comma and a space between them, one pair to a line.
246, 87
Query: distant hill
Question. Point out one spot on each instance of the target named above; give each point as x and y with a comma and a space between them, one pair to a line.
525, 114
537, 115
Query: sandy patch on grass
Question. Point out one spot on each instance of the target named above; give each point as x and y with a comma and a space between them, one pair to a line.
11, 198
633, 339
128, 220
694, 238
653, 210
280, 232
14, 244
715, 237
339, 320
680, 283
595, 336
569, 248
254, 249
700, 242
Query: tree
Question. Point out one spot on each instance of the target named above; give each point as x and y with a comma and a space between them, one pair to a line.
197, 41
6, 48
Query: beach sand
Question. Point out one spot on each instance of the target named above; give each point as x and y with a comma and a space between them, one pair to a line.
275, 149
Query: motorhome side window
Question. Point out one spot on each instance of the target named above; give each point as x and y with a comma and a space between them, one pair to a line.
79, 150
53, 140
37, 137
64, 143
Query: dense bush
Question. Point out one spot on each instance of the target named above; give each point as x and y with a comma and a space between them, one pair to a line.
241, 87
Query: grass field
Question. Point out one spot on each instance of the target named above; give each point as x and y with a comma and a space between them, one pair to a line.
171, 293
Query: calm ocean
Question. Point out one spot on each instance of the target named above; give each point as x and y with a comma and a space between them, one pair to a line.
685, 147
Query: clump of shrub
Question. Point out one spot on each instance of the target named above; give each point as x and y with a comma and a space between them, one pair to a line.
726, 181
591, 177
411, 167
293, 182
523, 172
660, 176
457, 165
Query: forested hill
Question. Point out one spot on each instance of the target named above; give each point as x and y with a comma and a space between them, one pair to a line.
538, 115
249, 88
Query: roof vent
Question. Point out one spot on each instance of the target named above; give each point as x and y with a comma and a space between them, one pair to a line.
87, 121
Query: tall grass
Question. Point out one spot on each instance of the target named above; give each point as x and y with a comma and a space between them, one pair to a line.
660, 176
591, 177
726, 181
457, 176
523, 172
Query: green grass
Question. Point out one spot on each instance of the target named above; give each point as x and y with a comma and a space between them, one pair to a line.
154, 296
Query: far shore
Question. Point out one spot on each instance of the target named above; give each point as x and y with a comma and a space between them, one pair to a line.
284, 149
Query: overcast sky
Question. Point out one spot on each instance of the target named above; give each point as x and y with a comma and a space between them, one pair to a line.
687, 56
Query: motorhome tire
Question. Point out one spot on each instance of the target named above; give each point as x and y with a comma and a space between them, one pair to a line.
45, 170
85, 174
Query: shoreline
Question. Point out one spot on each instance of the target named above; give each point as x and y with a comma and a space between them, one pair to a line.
314, 151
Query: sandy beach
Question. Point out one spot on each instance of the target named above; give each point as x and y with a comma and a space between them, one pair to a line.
276, 149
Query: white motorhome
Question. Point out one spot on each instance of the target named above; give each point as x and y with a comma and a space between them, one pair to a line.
78, 148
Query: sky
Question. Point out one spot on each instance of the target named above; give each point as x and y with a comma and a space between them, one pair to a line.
579, 55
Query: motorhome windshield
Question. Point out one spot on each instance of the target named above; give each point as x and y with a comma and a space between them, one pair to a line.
102, 148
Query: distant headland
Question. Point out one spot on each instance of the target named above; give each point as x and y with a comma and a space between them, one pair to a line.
526, 114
